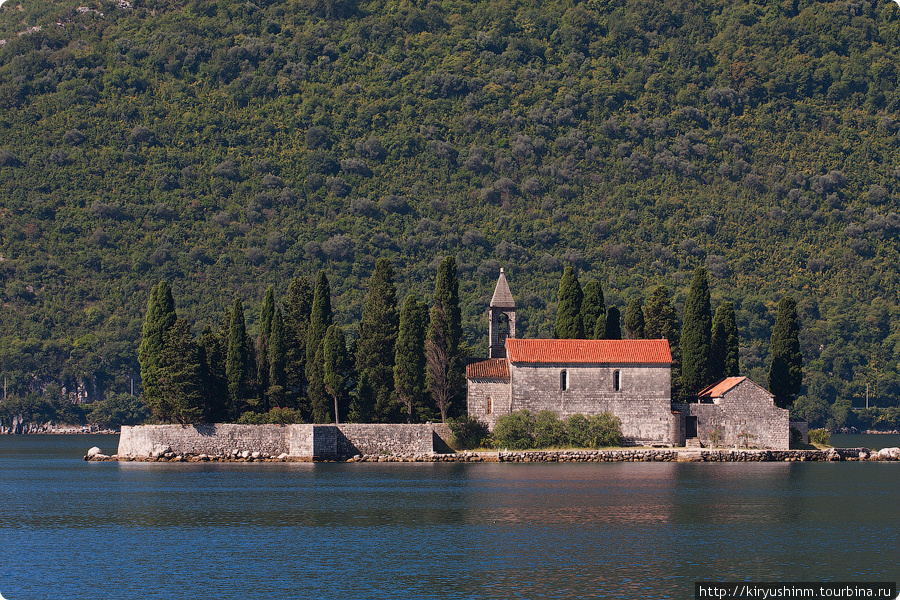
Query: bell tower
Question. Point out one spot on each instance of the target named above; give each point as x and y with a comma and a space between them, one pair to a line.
502, 314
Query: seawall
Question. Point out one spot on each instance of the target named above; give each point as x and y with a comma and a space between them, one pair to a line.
405, 443
298, 442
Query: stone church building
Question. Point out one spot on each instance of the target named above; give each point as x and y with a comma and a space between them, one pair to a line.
629, 378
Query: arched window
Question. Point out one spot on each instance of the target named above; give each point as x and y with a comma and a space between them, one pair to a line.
490, 405
563, 380
617, 380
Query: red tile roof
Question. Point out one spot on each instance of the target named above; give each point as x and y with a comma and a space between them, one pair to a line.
588, 351
492, 368
719, 388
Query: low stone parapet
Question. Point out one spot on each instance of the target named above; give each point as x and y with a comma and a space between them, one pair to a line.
299, 442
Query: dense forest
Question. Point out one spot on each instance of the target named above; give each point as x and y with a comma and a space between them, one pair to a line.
228, 146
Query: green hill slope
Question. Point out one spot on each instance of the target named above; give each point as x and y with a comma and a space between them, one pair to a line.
225, 146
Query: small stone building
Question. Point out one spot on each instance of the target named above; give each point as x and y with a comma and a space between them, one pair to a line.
734, 411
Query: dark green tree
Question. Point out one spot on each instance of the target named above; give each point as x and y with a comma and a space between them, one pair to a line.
613, 329
239, 364
361, 402
634, 320
266, 315
159, 319
214, 350
409, 362
319, 401
445, 368
377, 338
661, 322
180, 374
724, 357
297, 306
275, 393
696, 333
320, 319
336, 364
569, 324
786, 370
593, 309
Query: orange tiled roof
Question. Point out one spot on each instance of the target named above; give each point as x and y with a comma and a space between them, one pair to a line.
588, 351
718, 389
492, 368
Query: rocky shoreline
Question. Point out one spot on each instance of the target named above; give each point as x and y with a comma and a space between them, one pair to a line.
50, 429
166, 454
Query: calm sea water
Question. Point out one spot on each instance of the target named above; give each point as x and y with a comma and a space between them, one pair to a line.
70, 529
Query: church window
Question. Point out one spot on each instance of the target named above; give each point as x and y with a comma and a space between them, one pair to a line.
617, 380
563, 380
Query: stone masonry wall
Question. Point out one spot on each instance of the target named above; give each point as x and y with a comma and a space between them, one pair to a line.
478, 392
745, 416
305, 441
212, 439
642, 402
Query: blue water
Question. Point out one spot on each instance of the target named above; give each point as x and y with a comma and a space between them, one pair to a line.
71, 529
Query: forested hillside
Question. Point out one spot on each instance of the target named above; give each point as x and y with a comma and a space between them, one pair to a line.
228, 145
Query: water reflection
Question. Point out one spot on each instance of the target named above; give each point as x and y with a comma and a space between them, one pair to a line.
403, 530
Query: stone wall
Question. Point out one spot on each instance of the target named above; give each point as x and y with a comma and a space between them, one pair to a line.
803, 428
312, 442
745, 416
642, 401
353, 439
478, 394
212, 439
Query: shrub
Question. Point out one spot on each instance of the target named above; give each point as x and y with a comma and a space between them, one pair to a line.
522, 430
819, 436
276, 416
549, 430
515, 431
594, 431
468, 433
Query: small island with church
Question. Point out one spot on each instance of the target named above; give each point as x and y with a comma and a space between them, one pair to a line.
627, 382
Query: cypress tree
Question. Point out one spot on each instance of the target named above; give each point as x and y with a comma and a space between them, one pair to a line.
444, 372
319, 405
320, 319
613, 328
661, 322
569, 324
277, 379
159, 319
634, 320
180, 377
335, 366
377, 338
361, 404
238, 362
409, 362
660, 318
723, 356
266, 315
786, 371
297, 306
593, 309
213, 352
696, 333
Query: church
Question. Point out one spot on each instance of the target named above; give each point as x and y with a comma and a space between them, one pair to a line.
631, 379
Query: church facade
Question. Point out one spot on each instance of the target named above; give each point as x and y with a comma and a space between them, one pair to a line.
630, 379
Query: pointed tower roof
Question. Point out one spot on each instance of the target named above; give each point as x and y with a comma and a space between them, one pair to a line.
502, 296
